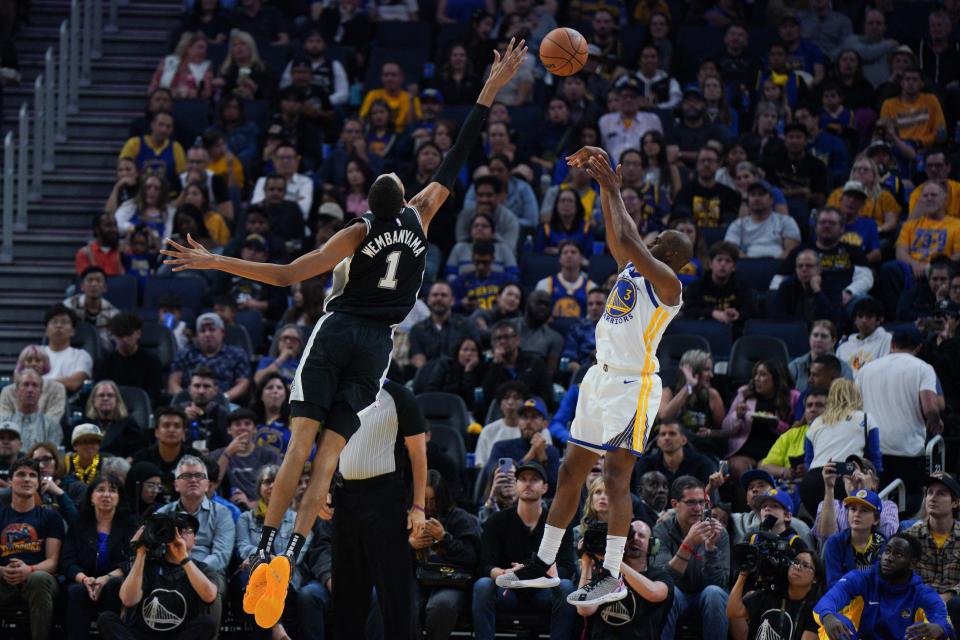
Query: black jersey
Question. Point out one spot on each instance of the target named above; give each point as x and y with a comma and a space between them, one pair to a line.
383, 277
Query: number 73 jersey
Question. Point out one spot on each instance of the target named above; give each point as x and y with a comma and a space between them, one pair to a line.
382, 279
632, 324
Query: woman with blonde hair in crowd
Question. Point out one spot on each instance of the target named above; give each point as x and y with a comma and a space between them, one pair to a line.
596, 508
53, 395
880, 206
186, 72
842, 431
105, 408
151, 207
243, 73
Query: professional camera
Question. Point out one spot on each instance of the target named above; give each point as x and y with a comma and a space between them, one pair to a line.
595, 538
160, 529
766, 555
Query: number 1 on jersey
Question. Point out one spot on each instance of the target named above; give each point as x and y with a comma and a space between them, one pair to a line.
389, 279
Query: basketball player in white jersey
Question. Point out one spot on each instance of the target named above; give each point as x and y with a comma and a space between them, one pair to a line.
620, 395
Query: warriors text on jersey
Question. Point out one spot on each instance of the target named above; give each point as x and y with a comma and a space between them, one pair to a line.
632, 325
383, 277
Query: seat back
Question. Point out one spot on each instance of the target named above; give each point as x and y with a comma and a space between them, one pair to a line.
793, 334
160, 341
718, 335
749, 350
601, 267
451, 445
236, 335
191, 118
138, 405
252, 323
191, 291
756, 273
535, 267
444, 410
674, 345
122, 292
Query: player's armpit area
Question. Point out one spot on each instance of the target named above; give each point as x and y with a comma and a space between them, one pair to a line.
429, 201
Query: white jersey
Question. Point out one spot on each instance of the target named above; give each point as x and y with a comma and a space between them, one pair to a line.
632, 325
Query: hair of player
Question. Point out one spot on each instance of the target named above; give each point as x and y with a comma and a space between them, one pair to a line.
385, 198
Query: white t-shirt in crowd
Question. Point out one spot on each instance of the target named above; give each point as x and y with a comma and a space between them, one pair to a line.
891, 388
68, 362
494, 433
764, 239
857, 352
837, 441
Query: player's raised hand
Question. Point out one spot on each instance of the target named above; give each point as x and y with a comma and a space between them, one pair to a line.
580, 158
193, 257
505, 67
600, 170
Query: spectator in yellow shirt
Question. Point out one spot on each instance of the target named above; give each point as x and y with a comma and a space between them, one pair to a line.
914, 119
938, 170
880, 205
404, 104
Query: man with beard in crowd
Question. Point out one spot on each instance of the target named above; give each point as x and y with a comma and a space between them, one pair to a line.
104, 250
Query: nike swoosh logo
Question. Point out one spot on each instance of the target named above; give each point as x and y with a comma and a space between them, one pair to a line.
628, 381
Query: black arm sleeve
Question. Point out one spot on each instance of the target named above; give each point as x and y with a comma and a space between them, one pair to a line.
469, 132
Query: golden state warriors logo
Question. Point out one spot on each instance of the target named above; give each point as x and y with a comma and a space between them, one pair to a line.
622, 299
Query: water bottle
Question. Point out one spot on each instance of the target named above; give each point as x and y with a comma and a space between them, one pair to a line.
564, 364
478, 394
76, 417
87, 386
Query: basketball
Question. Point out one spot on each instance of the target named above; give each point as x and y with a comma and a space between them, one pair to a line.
563, 51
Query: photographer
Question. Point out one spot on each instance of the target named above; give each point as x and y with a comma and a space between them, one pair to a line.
788, 613
174, 589
643, 612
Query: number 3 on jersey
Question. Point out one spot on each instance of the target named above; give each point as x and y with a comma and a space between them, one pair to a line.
389, 279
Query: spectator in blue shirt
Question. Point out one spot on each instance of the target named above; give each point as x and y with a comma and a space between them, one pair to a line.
824, 146
860, 545
530, 446
520, 197
568, 221
284, 357
802, 55
230, 365
479, 289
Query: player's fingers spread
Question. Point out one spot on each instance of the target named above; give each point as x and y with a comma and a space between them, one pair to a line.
496, 56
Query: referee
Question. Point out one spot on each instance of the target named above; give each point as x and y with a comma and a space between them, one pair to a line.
370, 523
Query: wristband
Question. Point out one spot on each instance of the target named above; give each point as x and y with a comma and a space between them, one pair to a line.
685, 547
185, 561
418, 508
689, 389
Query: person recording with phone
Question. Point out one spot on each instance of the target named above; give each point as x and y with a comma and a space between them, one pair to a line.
856, 474
165, 591
642, 614
503, 490
531, 446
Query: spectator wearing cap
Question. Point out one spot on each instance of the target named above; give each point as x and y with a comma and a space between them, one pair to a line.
891, 387
53, 397
859, 545
252, 295
800, 53
859, 230
831, 513
511, 536
779, 505
10, 446
510, 397
34, 426
939, 536
241, 460
85, 462
329, 74
421, 129
286, 162
824, 146
765, 233
928, 233
68, 365
104, 250
230, 364
531, 446
801, 176
31, 560
692, 130
754, 483
404, 105
674, 456
871, 341
938, 169
129, 365
718, 295
710, 203
872, 47
624, 129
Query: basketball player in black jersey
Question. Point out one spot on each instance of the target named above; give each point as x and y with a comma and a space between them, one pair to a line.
378, 263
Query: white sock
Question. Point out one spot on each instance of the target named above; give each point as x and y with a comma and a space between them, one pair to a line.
550, 544
614, 554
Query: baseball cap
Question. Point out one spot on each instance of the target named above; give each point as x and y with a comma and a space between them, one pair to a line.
756, 474
10, 427
907, 337
760, 184
534, 466
855, 186
693, 90
865, 497
331, 210
863, 463
86, 430
255, 240
431, 94
945, 479
627, 82
777, 496
536, 404
877, 146
209, 317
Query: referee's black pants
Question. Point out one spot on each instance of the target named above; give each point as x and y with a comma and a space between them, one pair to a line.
370, 549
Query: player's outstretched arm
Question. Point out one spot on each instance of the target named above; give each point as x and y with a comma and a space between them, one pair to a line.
342, 245
627, 241
432, 197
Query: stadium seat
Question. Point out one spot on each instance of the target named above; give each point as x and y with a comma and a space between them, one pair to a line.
275, 56
712, 235
535, 267
793, 334
236, 335
252, 323
402, 34
423, 375
257, 112
451, 445
601, 268
674, 345
526, 120
191, 291
447, 34
160, 341
718, 335
700, 41
756, 273
191, 118
749, 350
216, 54
122, 292
444, 410
138, 406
